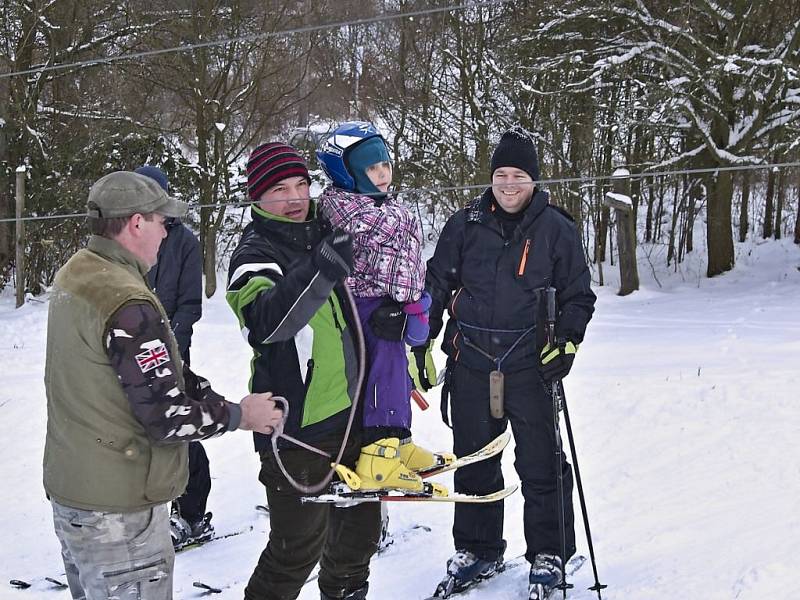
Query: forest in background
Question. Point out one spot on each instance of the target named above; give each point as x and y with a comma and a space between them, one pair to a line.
652, 86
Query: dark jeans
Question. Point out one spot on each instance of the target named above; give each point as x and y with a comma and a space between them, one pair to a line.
342, 540
192, 504
528, 405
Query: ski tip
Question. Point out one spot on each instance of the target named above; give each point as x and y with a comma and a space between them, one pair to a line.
206, 587
19, 584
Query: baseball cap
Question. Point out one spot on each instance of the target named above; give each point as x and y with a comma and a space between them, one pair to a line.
124, 193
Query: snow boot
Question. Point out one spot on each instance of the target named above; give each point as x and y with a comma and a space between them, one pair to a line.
379, 467
386, 537
464, 570
185, 533
418, 458
546, 575
359, 594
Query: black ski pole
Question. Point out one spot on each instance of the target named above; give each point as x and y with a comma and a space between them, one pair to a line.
561, 399
597, 585
554, 391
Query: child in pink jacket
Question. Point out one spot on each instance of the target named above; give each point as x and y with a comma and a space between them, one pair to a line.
387, 262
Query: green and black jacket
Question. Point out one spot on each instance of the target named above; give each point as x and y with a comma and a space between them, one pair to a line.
298, 323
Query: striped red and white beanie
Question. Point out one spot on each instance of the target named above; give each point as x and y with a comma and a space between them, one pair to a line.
271, 163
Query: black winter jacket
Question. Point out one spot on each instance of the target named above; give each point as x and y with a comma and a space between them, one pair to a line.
299, 324
177, 280
491, 286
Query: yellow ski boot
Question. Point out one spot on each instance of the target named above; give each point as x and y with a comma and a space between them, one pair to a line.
380, 467
418, 458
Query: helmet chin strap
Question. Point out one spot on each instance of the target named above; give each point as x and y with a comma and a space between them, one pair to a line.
278, 433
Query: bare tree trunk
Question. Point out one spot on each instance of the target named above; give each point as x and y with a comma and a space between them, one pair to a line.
797, 219
768, 205
602, 234
648, 225
5, 188
695, 192
626, 235
660, 208
744, 220
355, 72
677, 209
780, 193
605, 215
720, 232
19, 262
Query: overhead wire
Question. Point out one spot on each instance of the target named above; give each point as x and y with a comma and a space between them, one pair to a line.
479, 186
337, 25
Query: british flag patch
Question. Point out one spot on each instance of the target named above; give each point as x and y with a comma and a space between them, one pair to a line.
153, 357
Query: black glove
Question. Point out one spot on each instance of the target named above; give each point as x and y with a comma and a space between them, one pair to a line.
556, 361
334, 255
423, 371
388, 321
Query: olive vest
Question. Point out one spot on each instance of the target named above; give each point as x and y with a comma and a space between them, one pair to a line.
97, 455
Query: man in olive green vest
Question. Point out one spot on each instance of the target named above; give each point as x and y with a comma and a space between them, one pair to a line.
121, 407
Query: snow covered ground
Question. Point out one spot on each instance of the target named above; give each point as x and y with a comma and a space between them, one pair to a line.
684, 408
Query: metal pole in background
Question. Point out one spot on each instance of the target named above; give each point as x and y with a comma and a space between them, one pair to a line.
19, 234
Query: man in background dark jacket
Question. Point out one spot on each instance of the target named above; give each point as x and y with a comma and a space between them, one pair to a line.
177, 281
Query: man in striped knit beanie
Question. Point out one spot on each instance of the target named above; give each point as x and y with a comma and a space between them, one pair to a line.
286, 287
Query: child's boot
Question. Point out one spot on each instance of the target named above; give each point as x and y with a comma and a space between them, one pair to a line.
418, 458
379, 467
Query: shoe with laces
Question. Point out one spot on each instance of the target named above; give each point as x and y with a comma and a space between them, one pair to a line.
185, 533
546, 575
465, 569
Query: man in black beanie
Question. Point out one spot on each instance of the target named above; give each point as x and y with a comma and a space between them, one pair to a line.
492, 260
286, 286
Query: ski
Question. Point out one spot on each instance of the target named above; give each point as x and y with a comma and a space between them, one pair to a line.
262, 508
347, 493
198, 543
447, 589
341, 495
493, 448
206, 587
55, 584
403, 534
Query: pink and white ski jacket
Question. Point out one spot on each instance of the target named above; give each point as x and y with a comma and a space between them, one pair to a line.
387, 244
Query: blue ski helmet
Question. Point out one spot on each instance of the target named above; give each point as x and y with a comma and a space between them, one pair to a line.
331, 154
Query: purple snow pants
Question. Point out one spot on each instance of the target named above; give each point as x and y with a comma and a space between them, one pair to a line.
387, 386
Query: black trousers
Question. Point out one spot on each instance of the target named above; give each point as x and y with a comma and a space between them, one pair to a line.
528, 405
342, 540
192, 504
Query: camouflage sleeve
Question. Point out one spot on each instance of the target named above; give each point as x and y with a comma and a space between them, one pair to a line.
138, 350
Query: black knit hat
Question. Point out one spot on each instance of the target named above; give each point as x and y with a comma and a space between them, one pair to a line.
271, 163
516, 149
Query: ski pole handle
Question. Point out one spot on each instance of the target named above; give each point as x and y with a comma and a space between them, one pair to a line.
550, 296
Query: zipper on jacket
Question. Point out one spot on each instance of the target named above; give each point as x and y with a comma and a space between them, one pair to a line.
524, 258
453, 302
335, 315
309, 373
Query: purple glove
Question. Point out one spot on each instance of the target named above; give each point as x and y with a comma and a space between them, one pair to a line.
420, 306
417, 327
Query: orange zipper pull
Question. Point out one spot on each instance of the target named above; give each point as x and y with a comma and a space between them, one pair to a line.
524, 260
